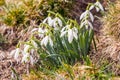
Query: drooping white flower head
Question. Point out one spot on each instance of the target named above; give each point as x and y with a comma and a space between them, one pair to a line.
26, 48
15, 53
86, 24
47, 39
48, 20
85, 14
99, 6
72, 33
41, 32
57, 21
27, 56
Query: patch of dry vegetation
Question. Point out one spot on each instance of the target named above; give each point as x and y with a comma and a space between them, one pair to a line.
108, 44
112, 21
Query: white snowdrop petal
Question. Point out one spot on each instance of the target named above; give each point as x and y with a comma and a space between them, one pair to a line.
63, 33
97, 9
82, 24
90, 24
16, 55
59, 22
46, 40
42, 42
75, 35
32, 51
45, 20
70, 35
91, 7
63, 29
31, 60
75, 31
54, 24
82, 15
50, 21
86, 26
91, 16
51, 42
101, 7
26, 48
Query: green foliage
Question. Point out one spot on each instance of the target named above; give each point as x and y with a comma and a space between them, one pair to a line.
62, 51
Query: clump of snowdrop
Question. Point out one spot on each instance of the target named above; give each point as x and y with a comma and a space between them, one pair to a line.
87, 14
57, 34
71, 32
27, 52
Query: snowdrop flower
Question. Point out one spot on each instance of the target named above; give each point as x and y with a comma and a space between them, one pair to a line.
48, 20
85, 14
41, 32
57, 21
26, 48
91, 7
98, 6
86, 23
26, 57
72, 33
34, 43
47, 39
15, 53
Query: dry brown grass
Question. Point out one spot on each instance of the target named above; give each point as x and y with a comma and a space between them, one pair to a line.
112, 21
108, 45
